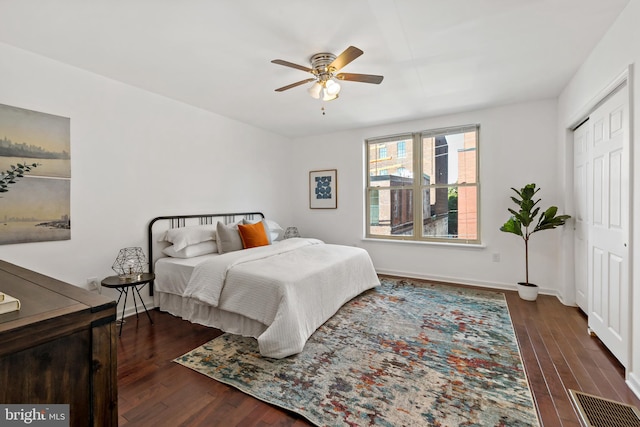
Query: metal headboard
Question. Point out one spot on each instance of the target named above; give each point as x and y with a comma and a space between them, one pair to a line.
163, 223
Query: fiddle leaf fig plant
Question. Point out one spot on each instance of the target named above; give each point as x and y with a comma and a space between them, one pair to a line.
525, 220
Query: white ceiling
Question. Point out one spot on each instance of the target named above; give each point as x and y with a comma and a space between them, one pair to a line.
437, 56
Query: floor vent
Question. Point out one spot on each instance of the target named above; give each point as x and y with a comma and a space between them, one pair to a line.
598, 412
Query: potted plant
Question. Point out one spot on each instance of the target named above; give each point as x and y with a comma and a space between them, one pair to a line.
523, 223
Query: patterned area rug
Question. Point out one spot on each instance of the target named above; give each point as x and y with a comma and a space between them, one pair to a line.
404, 354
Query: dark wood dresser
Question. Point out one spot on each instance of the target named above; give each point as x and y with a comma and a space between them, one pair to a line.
59, 348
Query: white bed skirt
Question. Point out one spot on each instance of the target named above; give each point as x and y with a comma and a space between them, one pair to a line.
202, 314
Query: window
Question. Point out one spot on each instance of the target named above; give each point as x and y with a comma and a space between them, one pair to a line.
402, 171
382, 151
430, 193
402, 151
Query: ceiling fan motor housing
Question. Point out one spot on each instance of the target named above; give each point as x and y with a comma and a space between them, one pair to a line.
320, 63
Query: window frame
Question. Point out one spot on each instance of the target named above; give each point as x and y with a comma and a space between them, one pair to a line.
418, 187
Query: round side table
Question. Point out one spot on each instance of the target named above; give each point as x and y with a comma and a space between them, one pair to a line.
123, 286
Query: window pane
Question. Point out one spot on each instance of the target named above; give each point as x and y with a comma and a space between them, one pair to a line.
435, 213
450, 158
391, 212
451, 213
391, 158
468, 213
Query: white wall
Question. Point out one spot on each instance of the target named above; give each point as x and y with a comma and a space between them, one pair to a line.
135, 156
517, 146
618, 49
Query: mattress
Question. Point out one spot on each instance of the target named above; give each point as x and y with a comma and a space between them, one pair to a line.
172, 276
279, 294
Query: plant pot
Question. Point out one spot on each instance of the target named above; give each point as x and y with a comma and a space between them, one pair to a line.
528, 292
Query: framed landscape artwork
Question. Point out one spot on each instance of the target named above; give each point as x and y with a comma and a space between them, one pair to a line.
35, 176
323, 189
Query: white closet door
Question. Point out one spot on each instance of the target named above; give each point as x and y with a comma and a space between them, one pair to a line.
581, 146
608, 252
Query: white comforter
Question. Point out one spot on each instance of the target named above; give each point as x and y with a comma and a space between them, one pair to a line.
293, 287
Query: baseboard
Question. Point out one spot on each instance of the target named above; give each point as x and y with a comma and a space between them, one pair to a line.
634, 383
559, 296
464, 281
131, 310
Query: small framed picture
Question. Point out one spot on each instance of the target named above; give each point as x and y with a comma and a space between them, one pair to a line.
323, 189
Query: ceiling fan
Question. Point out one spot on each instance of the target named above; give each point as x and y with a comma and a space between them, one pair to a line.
324, 67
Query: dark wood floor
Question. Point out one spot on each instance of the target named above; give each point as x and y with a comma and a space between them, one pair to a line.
153, 391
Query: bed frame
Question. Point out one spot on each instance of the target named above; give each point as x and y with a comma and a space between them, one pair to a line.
157, 226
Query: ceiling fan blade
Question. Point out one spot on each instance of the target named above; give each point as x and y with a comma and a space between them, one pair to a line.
292, 65
345, 57
292, 85
364, 78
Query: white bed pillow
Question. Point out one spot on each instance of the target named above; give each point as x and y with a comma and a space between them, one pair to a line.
228, 238
191, 251
190, 235
273, 229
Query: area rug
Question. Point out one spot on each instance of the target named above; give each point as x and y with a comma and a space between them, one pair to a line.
407, 353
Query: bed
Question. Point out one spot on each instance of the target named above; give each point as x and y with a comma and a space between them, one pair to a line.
278, 292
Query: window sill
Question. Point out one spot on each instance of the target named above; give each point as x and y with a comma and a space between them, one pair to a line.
425, 243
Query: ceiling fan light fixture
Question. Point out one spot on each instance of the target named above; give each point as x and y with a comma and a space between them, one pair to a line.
315, 90
331, 87
328, 97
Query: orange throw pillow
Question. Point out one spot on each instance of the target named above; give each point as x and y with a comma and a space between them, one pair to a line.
253, 235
